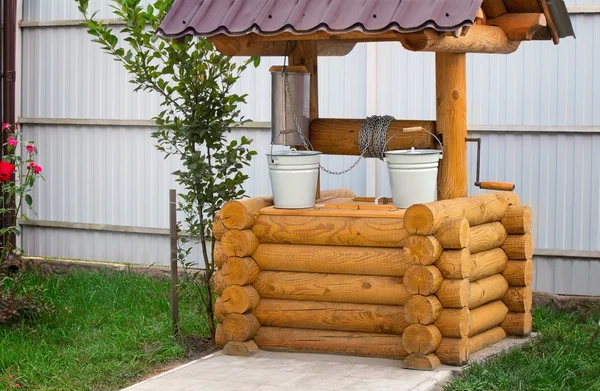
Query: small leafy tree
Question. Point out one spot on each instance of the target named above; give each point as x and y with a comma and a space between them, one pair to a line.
198, 111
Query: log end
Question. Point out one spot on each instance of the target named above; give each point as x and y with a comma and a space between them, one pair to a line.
424, 250
241, 349
423, 280
423, 362
418, 338
419, 220
422, 309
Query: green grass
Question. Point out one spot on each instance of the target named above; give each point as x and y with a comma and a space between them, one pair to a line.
107, 331
563, 358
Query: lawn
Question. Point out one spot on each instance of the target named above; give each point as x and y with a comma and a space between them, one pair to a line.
107, 331
566, 357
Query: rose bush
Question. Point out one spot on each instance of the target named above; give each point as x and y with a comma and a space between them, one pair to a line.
18, 174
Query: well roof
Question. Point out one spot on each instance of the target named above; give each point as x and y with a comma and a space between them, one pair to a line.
271, 17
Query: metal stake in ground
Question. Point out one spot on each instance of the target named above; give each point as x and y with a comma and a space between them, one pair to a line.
173, 234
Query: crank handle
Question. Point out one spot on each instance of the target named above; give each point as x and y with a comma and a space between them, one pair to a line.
498, 186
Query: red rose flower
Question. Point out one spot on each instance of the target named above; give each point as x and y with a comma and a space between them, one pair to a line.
6, 171
37, 169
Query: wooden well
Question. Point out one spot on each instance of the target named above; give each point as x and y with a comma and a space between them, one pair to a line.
431, 284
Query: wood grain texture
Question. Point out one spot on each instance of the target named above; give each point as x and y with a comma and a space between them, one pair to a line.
336, 231
486, 339
519, 273
239, 243
487, 316
331, 342
426, 219
368, 318
486, 290
518, 323
454, 293
340, 136
517, 219
239, 299
218, 228
453, 351
219, 282
240, 271
479, 39
493, 8
423, 362
455, 264
221, 338
422, 309
240, 349
255, 45
454, 322
337, 288
518, 299
242, 213
219, 312
451, 119
418, 338
488, 263
240, 327
219, 256
453, 233
420, 249
518, 246
486, 237
331, 259
340, 207
423, 280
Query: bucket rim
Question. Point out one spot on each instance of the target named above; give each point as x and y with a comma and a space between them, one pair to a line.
294, 153
414, 152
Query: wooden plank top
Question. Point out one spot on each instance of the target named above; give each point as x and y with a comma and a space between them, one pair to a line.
340, 207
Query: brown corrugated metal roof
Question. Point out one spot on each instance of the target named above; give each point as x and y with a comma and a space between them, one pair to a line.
270, 17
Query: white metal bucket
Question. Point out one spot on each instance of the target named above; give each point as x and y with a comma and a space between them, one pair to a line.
294, 177
413, 175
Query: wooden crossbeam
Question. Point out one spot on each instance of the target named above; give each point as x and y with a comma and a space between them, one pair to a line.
340, 136
520, 27
476, 39
479, 39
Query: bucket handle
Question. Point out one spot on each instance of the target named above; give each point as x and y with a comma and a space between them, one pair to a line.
415, 129
305, 141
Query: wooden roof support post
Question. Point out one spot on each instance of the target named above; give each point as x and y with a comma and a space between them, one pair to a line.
451, 117
305, 53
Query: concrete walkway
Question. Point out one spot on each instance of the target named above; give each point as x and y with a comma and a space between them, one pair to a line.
266, 371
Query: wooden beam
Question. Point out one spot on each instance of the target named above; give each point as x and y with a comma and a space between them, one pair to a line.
247, 45
479, 39
493, 8
451, 121
520, 27
522, 6
340, 136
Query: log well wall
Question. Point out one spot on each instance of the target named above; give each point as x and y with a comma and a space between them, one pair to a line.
430, 285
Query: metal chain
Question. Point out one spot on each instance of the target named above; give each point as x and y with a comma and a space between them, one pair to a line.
371, 138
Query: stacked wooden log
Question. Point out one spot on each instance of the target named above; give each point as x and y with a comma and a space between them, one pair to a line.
471, 286
236, 271
431, 285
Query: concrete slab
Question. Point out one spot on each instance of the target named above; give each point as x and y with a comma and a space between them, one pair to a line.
270, 371
293, 371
